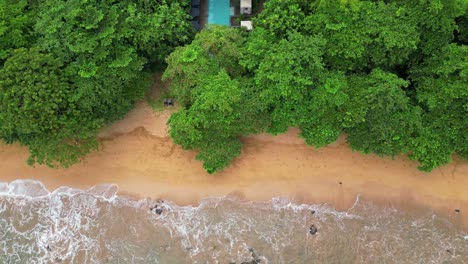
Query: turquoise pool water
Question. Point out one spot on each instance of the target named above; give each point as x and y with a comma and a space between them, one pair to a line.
219, 12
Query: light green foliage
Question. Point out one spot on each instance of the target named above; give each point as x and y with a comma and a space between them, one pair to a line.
217, 155
211, 124
204, 79
390, 74
213, 49
82, 66
322, 124
282, 16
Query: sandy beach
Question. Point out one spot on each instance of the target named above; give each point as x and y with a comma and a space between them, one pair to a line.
137, 155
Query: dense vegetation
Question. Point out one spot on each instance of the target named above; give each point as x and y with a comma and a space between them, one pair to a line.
390, 74
68, 67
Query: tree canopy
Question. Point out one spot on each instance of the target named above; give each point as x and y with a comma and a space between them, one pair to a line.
67, 68
391, 75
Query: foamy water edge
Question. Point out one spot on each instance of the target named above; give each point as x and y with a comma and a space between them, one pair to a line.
98, 226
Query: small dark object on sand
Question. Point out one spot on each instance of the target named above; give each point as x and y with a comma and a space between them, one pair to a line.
448, 251
340, 183
313, 230
457, 210
312, 212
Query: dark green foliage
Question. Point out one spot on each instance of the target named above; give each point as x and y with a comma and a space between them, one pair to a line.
462, 23
284, 76
39, 111
390, 74
364, 35
442, 89
436, 19
70, 67
16, 22
386, 120
217, 155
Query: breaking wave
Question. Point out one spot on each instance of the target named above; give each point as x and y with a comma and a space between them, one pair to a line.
98, 226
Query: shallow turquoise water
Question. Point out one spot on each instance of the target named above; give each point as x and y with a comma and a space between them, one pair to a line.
219, 12
97, 226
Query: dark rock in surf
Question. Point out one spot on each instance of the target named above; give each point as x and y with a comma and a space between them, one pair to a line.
156, 209
255, 261
313, 230
312, 212
255, 258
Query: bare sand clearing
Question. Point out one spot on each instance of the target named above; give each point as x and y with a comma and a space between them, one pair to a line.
138, 155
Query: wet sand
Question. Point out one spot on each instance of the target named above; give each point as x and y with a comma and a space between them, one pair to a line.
137, 154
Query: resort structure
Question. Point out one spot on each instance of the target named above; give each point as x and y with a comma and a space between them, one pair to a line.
232, 13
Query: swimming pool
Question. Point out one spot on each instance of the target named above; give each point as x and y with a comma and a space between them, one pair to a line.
219, 12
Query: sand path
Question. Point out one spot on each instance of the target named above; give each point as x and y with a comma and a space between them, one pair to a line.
138, 155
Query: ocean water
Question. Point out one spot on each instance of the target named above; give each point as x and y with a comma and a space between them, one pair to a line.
98, 226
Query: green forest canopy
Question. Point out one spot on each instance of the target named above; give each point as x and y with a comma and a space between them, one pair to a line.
391, 74
69, 67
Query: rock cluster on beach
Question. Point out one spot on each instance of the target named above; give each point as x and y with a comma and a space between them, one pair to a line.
157, 208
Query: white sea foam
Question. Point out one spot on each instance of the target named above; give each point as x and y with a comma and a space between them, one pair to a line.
98, 226
26, 188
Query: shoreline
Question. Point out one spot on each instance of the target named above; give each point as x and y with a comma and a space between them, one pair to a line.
137, 155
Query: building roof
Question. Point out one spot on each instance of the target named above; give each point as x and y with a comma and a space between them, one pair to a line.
246, 3
247, 24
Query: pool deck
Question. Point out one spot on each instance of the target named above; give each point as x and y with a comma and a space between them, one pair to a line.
203, 13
